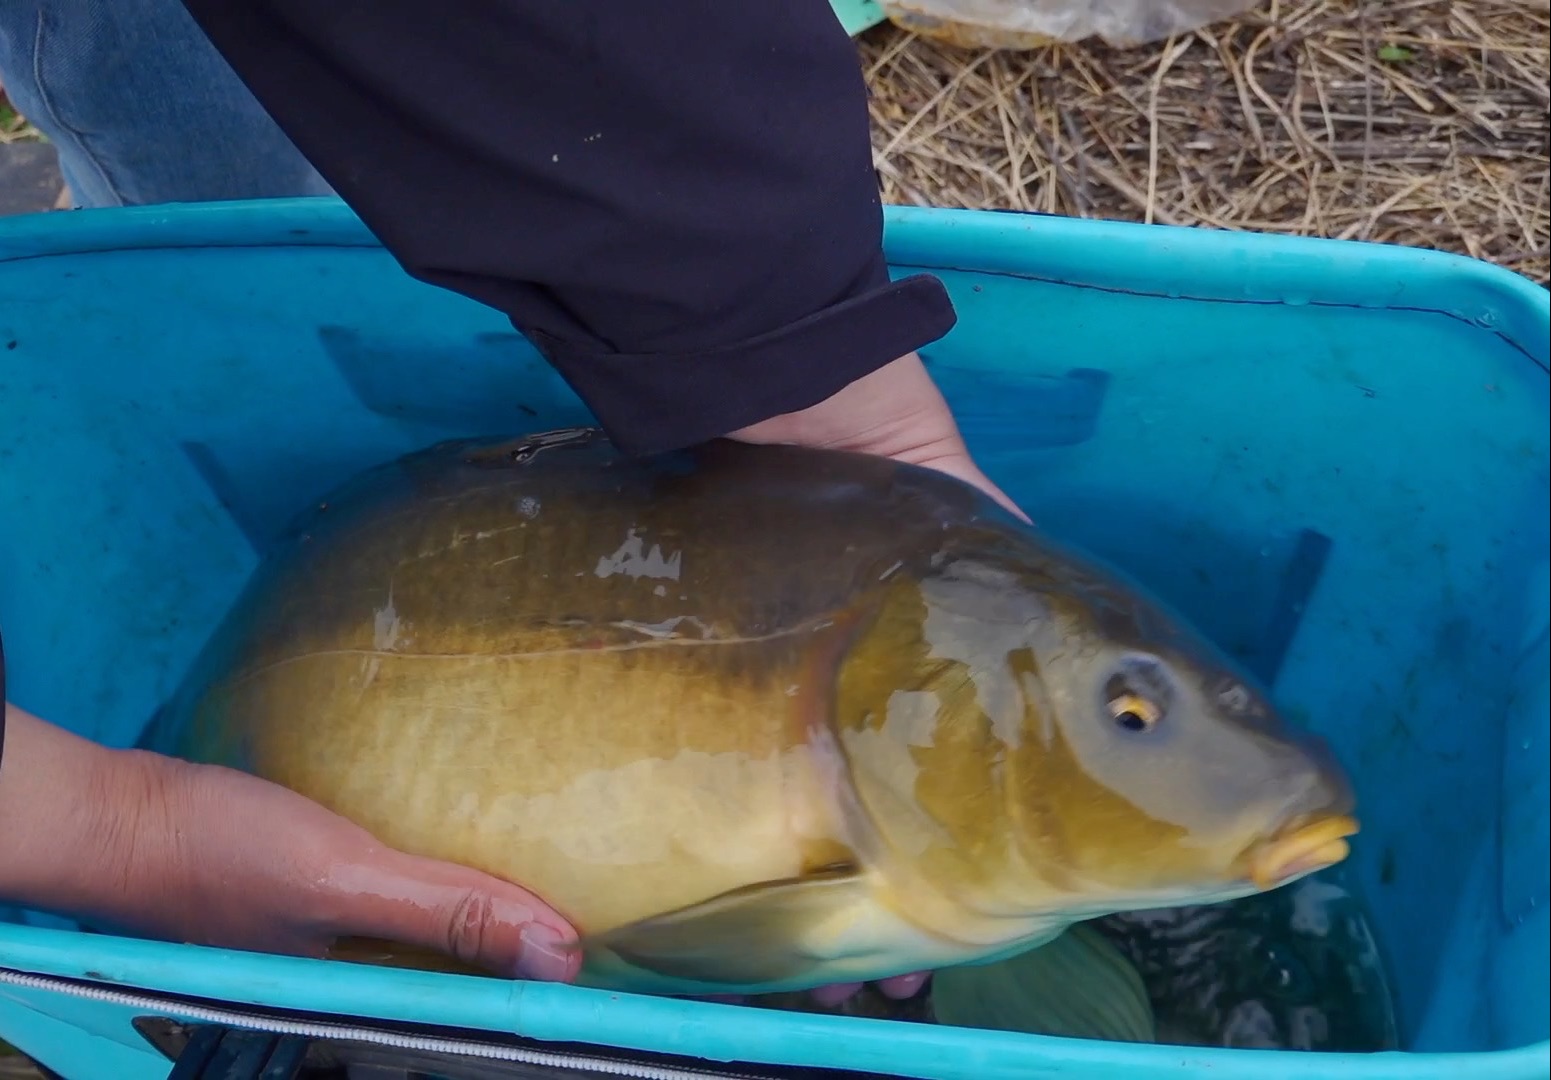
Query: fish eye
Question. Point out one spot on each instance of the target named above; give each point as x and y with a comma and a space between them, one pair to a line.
1131, 709
1138, 692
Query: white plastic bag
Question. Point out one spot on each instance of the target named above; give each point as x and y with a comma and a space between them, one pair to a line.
1025, 24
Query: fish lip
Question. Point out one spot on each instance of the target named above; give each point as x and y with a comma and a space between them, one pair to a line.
1304, 845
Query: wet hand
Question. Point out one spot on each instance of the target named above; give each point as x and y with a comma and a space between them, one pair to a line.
895, 412
157, 847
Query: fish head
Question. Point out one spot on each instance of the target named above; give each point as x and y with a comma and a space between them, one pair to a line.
1068, 747
1153, 770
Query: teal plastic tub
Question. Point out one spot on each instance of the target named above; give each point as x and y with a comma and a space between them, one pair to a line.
1333, 456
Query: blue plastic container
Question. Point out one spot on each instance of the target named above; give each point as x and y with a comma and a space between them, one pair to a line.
1194, 405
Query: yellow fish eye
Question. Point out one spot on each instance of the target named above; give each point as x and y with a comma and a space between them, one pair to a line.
1134, 712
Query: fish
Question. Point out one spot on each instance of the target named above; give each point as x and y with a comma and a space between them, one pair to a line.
753, 718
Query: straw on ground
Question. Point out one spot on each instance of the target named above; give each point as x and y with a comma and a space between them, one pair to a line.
1420, 122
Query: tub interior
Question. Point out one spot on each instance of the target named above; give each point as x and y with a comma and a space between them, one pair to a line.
1352, 498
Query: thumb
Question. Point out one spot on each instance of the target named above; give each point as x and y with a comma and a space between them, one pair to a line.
455, 911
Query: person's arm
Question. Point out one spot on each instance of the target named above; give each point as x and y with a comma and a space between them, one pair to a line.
675, 201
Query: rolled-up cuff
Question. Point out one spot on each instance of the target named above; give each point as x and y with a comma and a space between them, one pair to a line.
651, 403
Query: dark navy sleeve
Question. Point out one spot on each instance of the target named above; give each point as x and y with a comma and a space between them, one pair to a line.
675, 201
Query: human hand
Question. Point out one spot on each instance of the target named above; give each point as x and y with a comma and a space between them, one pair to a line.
900, 988
895, 412
162, 848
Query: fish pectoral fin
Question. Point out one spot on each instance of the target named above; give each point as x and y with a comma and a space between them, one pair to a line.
762, 934
1078, 985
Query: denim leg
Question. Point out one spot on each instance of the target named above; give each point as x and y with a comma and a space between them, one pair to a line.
140, 106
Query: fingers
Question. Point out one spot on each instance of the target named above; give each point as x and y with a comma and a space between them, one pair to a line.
898, 987
901, 987
478, 919
828, 997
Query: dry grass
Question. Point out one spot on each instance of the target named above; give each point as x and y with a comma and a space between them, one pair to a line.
1419, 122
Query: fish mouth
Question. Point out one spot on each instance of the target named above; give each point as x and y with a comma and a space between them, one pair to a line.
1302, 850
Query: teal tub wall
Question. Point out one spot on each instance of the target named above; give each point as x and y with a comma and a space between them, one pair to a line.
174, 382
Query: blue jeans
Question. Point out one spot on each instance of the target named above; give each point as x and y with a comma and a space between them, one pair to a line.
140, 106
